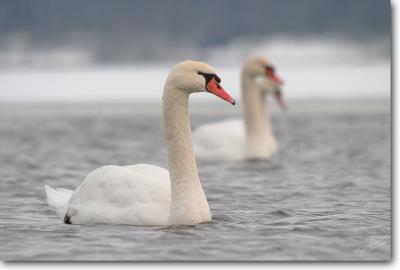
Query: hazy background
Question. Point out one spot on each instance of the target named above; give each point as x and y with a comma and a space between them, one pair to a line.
96, 50
325, 196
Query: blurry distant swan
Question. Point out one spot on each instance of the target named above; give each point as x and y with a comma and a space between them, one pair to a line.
252, 139
145, 194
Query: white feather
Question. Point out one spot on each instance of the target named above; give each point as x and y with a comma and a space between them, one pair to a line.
137, 194
225, 140
220, 141
58, 199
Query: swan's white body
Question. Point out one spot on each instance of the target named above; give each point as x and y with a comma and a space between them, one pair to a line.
116, 194
251, 138
228, 141
144, 194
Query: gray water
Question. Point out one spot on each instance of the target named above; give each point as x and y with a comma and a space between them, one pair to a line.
325, 196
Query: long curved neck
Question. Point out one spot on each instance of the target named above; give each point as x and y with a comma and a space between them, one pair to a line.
188, 202
256, 117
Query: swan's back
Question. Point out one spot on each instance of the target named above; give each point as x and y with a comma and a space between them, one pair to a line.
226, 140
136, 195
220, 141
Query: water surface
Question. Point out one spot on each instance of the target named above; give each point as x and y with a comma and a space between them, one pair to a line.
325, 196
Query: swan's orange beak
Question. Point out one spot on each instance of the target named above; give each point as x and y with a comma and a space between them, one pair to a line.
272, 75
214, 87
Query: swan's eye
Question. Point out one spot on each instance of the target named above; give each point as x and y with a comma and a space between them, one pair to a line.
199, 72
269, 68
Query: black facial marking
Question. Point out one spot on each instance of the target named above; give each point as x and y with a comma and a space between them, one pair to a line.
270, 68
209, 77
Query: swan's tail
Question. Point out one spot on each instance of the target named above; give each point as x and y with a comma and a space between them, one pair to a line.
58, 199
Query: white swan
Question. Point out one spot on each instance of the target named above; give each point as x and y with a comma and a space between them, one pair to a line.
252, 138
144, 194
